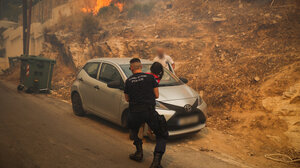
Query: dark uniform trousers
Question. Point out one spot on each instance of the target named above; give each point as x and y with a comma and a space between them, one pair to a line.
140, 114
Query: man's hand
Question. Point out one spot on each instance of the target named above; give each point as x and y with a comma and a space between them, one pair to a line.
173, 66
156, 92
126, 97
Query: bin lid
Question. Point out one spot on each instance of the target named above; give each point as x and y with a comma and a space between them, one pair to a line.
38, 58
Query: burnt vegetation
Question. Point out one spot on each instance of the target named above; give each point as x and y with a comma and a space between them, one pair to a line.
89, 27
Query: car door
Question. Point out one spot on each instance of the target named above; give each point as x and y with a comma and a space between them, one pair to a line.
89, 85
108, 99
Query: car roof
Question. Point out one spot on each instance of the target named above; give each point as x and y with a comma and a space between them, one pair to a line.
119, 61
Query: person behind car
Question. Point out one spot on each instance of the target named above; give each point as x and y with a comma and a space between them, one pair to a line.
140, 91
157, 70
164, 59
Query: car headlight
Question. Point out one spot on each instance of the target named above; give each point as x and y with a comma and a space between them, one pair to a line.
160, 106
200, 101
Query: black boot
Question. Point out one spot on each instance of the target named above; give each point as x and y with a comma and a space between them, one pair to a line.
156, 160
138, 155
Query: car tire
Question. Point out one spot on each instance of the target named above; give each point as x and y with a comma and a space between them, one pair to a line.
20, 87
77, 105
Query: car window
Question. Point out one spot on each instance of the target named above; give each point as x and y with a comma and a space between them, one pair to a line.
169, 79
91, 69
109, 73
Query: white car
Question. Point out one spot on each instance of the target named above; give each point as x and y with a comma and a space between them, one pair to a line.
98, 89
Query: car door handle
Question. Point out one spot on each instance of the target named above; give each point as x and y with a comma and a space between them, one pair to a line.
80, 79
96, 87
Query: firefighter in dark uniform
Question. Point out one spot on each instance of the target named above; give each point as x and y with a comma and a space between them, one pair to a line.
141, 90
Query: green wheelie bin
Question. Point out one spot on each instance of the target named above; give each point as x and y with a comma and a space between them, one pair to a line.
36, 74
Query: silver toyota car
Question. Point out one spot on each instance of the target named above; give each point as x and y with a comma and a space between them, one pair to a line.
99, 86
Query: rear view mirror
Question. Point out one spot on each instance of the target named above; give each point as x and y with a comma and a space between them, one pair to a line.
184, 80
115, 84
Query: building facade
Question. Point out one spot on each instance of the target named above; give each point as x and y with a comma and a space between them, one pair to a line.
44, 14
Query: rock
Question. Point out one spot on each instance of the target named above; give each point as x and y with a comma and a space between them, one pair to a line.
295, 100
274, 138
222, 57
290, 93
169, 6
256, 78
278, 16
194, 148
297, 123
219, 19
251, 154
204, 149
240, 5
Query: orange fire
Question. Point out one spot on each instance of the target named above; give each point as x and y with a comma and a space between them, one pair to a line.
95, 5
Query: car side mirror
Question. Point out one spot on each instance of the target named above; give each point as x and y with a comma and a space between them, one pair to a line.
115, 85
184, 80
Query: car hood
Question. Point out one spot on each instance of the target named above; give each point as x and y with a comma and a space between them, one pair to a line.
168, 93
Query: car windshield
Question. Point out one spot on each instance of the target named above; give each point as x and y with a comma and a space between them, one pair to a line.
169, 79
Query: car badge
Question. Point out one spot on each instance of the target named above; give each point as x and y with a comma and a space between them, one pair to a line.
188, 108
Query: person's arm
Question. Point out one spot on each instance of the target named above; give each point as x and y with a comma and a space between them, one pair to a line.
155, 87
126, 97
170, 60
156, 92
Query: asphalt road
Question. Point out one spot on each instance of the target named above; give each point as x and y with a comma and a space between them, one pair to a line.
39, 131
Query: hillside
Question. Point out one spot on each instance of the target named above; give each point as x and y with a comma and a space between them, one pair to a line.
242, 56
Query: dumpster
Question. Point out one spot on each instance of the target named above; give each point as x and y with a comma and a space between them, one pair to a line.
36, 74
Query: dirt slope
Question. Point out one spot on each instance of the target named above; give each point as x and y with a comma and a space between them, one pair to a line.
242, 56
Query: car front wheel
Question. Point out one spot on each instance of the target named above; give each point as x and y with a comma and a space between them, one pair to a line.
77, 105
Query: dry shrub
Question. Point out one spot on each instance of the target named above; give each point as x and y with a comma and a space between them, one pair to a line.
140, 10
89, 27
109, 12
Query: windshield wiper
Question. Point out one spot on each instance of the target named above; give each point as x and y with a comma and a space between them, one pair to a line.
172, 84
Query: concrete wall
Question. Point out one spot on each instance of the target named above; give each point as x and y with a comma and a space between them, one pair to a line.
44, 14
43, 10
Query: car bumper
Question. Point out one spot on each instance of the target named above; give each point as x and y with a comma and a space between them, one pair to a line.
187, 130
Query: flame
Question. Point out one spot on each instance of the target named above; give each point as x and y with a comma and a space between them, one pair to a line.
98, 4
119, 5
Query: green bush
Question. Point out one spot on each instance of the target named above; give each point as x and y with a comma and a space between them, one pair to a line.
140, 10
